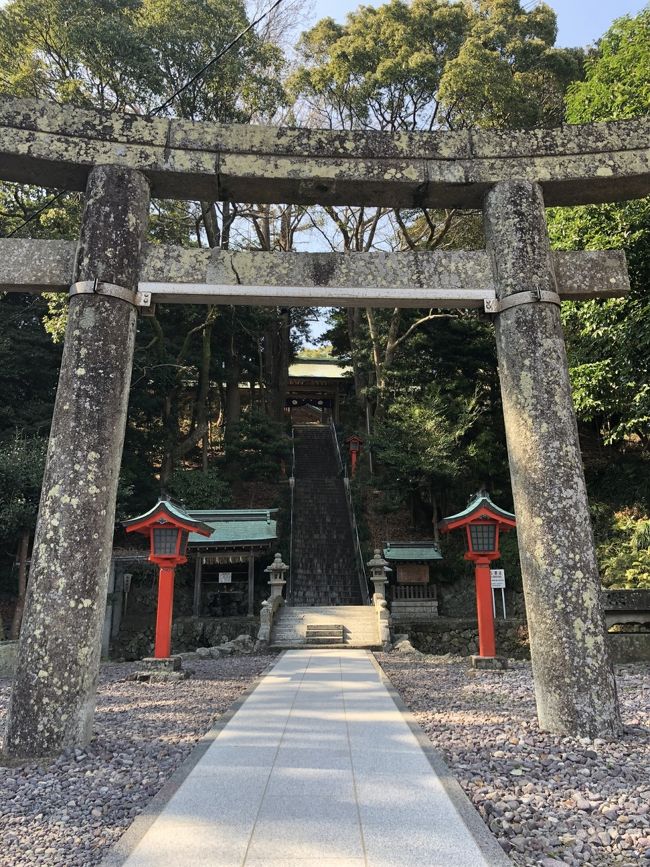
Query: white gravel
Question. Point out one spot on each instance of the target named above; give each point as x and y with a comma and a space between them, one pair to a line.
549, 800
71, 810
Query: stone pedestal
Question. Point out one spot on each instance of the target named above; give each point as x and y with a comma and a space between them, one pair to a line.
155, 670
277, 586
489, 663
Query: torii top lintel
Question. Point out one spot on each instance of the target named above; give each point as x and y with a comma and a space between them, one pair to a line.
56, 146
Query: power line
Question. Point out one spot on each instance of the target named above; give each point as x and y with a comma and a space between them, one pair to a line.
35, 214
214, 60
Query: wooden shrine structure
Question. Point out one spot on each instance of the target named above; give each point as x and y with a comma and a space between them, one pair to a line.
121, 161
224, 574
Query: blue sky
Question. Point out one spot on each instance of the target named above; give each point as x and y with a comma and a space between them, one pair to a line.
580, 22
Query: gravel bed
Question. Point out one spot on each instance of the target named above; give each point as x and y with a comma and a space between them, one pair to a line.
71, 810
548, 800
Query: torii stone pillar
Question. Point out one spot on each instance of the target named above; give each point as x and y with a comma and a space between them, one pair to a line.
53, 699
574, 682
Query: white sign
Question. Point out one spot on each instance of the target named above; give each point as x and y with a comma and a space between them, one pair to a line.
225, 577
498, 578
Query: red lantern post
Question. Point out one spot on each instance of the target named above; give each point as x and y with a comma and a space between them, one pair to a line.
354, 444
482, 521
168, 527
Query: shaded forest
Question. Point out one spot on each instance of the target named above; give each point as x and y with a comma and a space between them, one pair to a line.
424, 388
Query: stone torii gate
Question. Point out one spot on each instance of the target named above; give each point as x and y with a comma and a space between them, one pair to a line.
122, 160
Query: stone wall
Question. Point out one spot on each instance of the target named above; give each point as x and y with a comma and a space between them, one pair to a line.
460, 636
413, 610
458, 599
629, 646
188, 633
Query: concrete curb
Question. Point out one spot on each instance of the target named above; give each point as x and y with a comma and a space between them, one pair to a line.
127, 843
481, 834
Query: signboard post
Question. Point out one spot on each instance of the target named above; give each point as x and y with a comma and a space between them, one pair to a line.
498, 581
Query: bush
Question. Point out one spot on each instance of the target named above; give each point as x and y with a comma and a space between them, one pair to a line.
200, 490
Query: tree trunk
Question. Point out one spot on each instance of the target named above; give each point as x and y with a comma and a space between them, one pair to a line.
276, 354
360, 383
233, 398
23, 551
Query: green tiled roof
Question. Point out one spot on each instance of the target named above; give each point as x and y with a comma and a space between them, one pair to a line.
232, 526
401, 551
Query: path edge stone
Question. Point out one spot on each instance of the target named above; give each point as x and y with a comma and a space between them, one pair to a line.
471, 818
127, 843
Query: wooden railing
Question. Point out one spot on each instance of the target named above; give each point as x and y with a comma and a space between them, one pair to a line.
414, 591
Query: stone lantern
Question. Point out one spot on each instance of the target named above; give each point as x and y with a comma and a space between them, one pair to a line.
378, 569
276, 570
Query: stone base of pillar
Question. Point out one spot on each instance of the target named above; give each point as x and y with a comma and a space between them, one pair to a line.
489, 663
156, 670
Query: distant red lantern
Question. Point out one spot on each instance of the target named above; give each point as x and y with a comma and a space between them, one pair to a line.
354, 444
168, 527
482, 521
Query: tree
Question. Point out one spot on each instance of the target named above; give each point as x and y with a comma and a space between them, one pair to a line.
608, 342
424, 65
137, 55
617, 82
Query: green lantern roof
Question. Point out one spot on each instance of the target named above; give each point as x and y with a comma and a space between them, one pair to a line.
482, 500
175, 512
422, 551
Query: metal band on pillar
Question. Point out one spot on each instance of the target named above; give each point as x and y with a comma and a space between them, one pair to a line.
536, 296
111, 290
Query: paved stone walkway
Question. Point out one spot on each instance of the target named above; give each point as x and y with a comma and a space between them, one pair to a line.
317, 767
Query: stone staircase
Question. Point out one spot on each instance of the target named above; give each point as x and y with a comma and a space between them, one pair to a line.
324, 570
325, 626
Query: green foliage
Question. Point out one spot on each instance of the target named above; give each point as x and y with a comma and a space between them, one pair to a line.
507, 72
262, 446
29, 365
432, 63
617, 84
22, 460
369, 71
625, 556
418, 443
133, 54
609, 341
200, 490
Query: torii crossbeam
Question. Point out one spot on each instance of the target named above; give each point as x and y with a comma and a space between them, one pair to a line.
120, 160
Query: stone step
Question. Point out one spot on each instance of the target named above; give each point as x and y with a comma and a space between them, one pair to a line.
327, 625
318, 634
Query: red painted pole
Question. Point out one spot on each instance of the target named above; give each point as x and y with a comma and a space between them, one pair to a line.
487, 646
164, 614
353, 459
